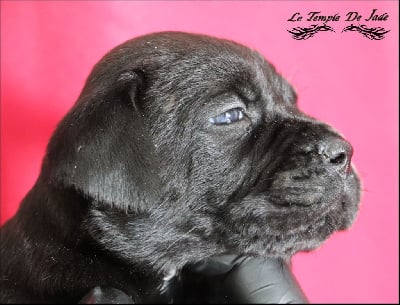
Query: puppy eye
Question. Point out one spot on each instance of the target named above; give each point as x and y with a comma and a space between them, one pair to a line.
228, 117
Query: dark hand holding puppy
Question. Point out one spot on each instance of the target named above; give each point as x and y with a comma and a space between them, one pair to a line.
233, 279
226, 279
181, 147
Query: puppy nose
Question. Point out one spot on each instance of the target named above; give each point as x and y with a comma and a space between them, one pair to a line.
337, 152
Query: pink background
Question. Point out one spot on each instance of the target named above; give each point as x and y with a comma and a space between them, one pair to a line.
49, 47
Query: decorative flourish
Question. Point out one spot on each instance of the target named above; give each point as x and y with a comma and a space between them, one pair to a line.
300, 33
377, 33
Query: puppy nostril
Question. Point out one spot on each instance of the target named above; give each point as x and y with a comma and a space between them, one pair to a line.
336, 151
341, 158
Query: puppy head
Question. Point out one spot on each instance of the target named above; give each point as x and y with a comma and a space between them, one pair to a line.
203, 133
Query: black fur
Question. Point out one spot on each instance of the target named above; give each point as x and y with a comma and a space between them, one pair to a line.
136, 181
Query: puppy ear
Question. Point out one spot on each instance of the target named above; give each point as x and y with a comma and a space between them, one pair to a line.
103, 147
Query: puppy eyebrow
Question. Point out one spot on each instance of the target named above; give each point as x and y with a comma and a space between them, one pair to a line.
246, 93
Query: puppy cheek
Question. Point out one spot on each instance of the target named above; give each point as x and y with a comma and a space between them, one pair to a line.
349, 214
351, 201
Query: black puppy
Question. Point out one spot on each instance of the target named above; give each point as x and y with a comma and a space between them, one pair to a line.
180, 147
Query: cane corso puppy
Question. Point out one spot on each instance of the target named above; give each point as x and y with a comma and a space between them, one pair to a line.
180, 147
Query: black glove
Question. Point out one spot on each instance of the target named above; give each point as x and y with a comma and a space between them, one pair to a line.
226, 279
231, 279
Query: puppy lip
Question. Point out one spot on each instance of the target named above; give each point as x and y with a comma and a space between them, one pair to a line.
328, 217
309, 186
308, 194
295, 196
316, 224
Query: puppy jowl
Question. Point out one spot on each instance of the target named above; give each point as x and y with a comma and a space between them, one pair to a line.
180, 147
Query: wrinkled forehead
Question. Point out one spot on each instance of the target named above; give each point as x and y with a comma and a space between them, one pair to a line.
207, 70
189, 69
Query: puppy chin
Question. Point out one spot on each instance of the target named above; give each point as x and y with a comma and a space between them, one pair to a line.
274, 246
306, 239
275, 227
